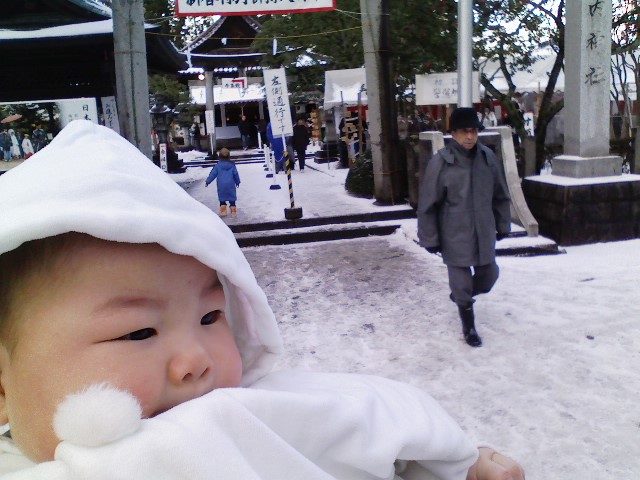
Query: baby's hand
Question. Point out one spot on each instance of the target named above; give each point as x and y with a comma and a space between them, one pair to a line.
492, 465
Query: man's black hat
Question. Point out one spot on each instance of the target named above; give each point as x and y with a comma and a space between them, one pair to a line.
464, 117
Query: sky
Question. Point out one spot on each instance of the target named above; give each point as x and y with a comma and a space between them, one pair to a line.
557, 380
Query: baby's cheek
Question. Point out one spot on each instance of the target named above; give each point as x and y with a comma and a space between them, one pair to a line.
147, 394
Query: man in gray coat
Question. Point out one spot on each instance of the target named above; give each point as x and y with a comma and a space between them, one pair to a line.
463, 208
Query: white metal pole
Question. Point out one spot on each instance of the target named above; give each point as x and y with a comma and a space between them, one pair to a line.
465, 52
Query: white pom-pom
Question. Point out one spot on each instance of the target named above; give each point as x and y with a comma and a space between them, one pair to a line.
96, 416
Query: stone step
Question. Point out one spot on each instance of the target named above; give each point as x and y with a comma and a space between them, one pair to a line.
403, 213
312, 234
321, 229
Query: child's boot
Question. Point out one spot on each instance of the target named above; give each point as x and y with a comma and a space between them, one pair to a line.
468, 326
223, 210
234, 211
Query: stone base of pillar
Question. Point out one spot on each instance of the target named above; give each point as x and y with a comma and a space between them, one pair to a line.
581, 211
586, 167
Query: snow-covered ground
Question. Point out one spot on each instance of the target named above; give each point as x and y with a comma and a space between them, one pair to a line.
557, 382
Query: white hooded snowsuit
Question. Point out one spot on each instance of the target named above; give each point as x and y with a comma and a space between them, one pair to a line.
277, 426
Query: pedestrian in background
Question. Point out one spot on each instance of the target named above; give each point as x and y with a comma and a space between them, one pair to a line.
39, 138
300, 140
463, 208
195, 134
262, 131
488, 118
228, 180
15, 145
27, 146
5, 145
246, 128
278, 149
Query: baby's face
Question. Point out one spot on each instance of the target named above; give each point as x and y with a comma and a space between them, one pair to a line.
135, 316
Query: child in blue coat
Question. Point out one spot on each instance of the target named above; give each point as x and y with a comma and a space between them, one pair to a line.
228, 180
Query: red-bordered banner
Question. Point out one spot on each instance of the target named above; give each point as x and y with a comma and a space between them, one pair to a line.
198, 8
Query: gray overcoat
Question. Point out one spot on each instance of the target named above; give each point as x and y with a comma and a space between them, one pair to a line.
463, 202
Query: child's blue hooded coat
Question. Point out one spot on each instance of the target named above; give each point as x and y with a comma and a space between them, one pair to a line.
228, 179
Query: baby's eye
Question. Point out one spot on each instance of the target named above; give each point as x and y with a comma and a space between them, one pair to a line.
138, 335
211, 317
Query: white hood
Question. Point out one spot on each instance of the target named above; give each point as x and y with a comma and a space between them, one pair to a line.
91, 180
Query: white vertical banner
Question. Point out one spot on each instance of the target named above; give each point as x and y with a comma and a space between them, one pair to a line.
528, 123
209, 122
275, 83
110, 113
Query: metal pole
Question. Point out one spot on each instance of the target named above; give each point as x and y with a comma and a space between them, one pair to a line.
465, 52
211, 105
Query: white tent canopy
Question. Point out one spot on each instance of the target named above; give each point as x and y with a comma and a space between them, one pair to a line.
341, 87
537, 77
526, 81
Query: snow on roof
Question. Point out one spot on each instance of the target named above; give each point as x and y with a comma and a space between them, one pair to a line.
342, 87
94, 6
73, 30
100, 27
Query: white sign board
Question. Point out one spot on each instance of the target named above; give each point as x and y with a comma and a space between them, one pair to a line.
77, 109
208, 121
163, 156
528, 123
275, 83
110, 113
195, 8
240, 82
442, 88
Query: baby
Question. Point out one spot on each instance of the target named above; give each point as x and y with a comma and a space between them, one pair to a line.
136, 343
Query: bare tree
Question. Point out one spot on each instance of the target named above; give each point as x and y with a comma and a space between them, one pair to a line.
625, 64
528, 25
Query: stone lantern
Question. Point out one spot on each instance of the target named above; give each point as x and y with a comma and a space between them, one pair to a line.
161, 117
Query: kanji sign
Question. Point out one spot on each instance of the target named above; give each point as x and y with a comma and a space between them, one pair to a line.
275, 84
196, 8
442, 88
240, 82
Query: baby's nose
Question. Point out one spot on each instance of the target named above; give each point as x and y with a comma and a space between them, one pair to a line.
189, 365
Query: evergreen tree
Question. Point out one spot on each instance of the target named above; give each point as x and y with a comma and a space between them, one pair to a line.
424, 36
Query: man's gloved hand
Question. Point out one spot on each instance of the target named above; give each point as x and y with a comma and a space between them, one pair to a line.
435, 249
500, 236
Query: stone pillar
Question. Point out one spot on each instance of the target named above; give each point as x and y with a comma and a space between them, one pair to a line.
132, 84
381, 115
586, 112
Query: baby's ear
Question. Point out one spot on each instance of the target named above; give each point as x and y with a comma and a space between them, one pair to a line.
4, 417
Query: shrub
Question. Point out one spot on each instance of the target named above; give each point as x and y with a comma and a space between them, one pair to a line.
359, 181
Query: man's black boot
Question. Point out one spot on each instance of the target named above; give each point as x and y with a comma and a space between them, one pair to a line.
468, 326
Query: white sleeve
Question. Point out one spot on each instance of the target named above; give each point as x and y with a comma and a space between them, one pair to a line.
286, 425
368, 423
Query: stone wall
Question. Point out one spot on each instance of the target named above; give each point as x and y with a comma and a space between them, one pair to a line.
585, 213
